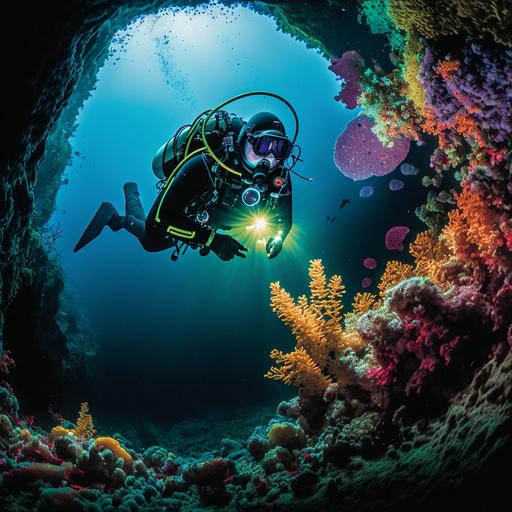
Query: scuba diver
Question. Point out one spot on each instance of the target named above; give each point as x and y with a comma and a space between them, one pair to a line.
212, 173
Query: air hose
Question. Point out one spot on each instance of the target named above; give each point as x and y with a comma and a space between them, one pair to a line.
210, 113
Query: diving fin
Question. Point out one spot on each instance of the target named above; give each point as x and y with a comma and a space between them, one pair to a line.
105, 216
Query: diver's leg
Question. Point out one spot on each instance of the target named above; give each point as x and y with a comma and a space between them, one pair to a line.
150, 243
133, 204
135, 221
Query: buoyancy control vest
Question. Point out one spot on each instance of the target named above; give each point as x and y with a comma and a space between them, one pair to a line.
221, 133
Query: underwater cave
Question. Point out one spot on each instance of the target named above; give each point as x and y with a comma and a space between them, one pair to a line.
133, 380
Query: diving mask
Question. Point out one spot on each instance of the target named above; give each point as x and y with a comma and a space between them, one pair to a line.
265, 144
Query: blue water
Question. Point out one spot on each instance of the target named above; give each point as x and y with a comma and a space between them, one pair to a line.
181, 339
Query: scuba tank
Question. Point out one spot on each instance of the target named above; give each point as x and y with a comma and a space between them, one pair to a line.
221, 131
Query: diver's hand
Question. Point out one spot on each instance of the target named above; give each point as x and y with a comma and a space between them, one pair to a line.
274, 247
226, 247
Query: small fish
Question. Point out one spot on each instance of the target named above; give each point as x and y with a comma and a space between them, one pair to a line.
344, 203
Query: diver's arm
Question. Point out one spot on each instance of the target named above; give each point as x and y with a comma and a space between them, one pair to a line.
283, 220
167, 216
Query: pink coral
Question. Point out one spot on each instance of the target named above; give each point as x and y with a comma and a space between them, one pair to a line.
395, 237
349, 68
370, 263
359, 154
419, 331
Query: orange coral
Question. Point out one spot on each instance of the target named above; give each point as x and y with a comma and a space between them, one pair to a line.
84, 423
298, 369
115, 447
474, 228
468, 127
351, 339
447, 68
316, 326
363, 302
394, 273
60, 431
431, 253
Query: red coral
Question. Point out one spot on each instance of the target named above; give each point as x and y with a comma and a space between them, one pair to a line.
433, 327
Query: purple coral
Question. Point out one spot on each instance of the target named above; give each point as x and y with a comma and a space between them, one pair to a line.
395, 185
480, 87
359, 154
348, 68
408, 169
366, 191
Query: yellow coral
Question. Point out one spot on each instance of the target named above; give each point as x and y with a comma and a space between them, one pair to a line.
115, 447
411, 71
351, 339
431, 253
394, 273
60, 431
316, 326
305, 324
363, 302
317, 285
298, 369
452, 17
84, 423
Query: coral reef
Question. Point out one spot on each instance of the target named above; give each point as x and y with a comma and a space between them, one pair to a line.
408, 396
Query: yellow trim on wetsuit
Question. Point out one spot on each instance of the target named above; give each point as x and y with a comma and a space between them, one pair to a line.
180, 232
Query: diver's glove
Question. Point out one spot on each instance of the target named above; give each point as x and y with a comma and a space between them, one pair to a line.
226, 247
274, 246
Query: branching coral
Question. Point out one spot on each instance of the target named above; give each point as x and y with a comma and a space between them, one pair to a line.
384, 99
316, 326
467, 98
478, 233
6, 363
431, 254
84, 423
363, 302
394, 272
298, 369
374, 13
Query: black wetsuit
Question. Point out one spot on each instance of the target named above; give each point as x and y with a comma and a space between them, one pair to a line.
195, 189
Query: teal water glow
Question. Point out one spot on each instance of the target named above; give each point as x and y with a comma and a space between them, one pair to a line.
185, 337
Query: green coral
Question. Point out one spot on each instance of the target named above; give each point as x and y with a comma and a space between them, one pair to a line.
375, 14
